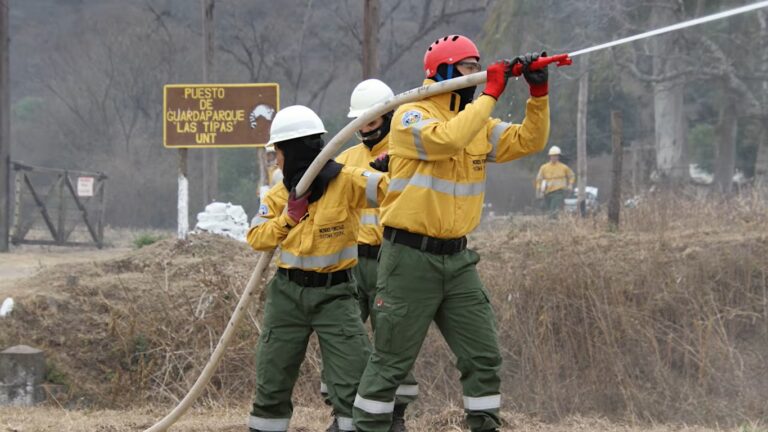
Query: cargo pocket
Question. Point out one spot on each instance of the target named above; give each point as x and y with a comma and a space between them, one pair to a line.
389, 257
391, 327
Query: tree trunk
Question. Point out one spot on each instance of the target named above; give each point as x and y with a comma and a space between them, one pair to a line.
670, 123
371, 39
5, 130
210, 158
581, 136
614, 203
761, 161
725, 149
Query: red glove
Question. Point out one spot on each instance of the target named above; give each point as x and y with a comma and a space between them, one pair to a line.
497, 78
297, 207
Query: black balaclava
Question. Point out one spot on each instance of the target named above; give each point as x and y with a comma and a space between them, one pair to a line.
370, 139
445, 72
298, 154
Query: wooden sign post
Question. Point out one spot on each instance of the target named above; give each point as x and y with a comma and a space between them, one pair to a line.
215, 116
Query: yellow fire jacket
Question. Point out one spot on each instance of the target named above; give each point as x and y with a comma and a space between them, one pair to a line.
326, 240
554, 176
438, 155
371, 231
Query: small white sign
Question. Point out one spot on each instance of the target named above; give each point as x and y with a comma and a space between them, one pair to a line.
85, 186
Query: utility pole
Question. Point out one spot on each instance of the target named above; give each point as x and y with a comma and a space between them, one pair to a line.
5, 128
614, 204
210, 158
581, 137
371, 39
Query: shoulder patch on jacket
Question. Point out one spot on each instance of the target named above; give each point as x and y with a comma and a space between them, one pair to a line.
263, 209
411, 117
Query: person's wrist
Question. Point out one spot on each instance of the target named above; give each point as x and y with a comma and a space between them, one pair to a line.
539, 90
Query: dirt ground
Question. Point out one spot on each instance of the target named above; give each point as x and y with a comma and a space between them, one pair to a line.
304, 420
26, 261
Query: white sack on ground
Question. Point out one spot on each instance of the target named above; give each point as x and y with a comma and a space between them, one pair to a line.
224, 219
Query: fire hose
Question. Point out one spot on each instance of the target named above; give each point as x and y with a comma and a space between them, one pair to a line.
329, 151
333, 146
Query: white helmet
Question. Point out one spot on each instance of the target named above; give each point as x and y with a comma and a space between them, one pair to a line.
294, 122
554, 150
367, 94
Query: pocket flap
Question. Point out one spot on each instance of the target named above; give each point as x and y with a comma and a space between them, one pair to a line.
331, 215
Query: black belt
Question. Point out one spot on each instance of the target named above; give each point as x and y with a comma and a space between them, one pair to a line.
425, 243
368, 251
308, 278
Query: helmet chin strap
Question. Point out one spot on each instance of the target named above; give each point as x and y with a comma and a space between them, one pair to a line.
448, 73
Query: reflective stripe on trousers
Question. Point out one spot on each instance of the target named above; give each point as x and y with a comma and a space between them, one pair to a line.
407, 390
345, 423
372, 406
318, 261
268, 424
482, 403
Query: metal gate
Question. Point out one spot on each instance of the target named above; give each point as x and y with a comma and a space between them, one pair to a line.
50, 208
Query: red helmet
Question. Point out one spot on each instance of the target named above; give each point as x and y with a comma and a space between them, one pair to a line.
448, 50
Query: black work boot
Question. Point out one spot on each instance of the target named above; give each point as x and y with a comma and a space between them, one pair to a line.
398, 419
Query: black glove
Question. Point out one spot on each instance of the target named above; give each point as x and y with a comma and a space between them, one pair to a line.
381, 163
537, 79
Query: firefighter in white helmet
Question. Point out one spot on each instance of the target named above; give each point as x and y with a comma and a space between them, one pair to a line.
372, 151
553, 181
313, 289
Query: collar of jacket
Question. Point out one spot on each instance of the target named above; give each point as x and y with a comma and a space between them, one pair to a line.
380, 146
449, 101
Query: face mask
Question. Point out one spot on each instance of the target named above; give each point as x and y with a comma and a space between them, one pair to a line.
371, 138
466, 95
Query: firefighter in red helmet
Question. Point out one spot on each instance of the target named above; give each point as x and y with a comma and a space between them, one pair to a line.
438, 151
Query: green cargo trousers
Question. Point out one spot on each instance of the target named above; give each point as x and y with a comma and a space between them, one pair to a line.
554, 202
415, 288
365, 276
291, 313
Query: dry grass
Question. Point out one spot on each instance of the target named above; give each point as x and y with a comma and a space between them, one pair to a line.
304, 420
663, 321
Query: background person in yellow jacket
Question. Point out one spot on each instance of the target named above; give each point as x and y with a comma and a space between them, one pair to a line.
313, 289
438, 151
374, 145
553, 181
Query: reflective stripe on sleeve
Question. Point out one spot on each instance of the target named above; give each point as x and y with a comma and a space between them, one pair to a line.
372, 188
369, 219
482, 403
407, 390
438, 185
372, 406
496, 133
345, 423
258, 220
268, 424
318, 261
416, 131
